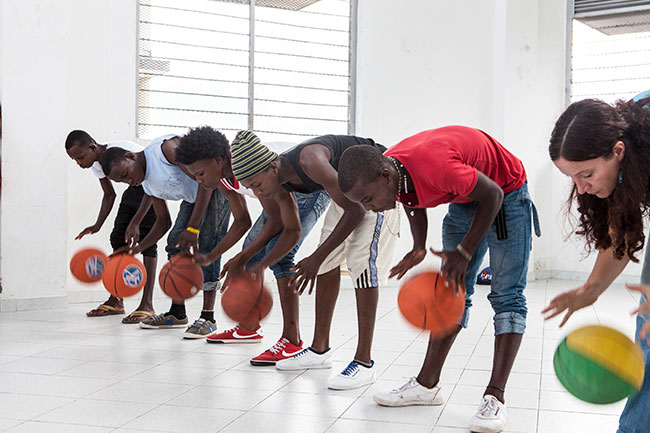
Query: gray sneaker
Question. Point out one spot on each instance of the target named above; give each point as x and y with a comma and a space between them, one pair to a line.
201, 328
163, 321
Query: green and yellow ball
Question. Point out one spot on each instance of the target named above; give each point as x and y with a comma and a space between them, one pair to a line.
599, 365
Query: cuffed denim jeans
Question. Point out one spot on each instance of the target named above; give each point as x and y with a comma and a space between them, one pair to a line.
508, 258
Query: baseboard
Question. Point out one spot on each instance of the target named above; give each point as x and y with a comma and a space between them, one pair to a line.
28, 304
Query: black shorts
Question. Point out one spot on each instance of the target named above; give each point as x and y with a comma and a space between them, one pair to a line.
128, 207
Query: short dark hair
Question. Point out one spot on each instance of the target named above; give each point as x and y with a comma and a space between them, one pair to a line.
200, 143
355, 157
78, 137
110, 157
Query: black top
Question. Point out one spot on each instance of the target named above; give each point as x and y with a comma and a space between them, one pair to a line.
336, 144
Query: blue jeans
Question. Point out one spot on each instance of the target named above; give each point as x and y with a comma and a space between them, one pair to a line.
213, 228
310, 208
636, 415
508, 258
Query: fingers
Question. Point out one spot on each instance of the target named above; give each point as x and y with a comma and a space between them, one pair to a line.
635, 287
311, 286
565, 318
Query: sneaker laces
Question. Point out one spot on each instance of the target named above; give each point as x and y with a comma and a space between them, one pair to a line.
302, 353
413, 382
199, 323
351, 368
281, 344
489, 406
159, 317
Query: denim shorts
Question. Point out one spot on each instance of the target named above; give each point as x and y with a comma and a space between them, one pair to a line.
508, 258
636, 415
213, 228
310, 208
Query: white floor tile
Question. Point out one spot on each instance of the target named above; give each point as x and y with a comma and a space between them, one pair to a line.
151, 393
567, 422
180, 419
305, 404
25, 407
359, 426
221, 398
285, 423
101, 413
49, 427
366, 409
98, 375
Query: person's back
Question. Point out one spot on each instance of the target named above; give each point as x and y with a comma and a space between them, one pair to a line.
335, 144
164, 179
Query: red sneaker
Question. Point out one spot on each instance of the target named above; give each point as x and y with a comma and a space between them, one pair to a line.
283, 349
238, 334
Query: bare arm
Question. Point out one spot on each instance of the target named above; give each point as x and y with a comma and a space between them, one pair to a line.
603, 274
489, 197
291, 230
159, 228
418, 222
240, 225
314, 160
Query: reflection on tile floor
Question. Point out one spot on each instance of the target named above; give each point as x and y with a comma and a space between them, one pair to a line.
63, 372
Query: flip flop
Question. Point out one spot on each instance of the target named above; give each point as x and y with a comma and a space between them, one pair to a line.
104, 310
137, 316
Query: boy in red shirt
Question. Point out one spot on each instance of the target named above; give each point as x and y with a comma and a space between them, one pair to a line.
490, 207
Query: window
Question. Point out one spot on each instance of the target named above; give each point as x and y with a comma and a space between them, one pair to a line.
610, 49
198, 65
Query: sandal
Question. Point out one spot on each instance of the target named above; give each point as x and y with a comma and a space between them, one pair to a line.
105, 310
137, 316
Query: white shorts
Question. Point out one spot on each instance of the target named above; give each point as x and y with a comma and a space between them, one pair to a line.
367, 251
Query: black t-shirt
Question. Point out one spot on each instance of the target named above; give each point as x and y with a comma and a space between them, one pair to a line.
336, 144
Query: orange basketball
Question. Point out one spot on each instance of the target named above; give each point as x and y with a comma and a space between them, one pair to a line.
428, 303
180, 278
246, 300
87, 265
124, 275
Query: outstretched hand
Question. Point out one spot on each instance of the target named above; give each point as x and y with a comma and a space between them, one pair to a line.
413, 258
570, 301
306, 273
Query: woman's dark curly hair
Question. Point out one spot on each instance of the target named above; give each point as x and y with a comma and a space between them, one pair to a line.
203, 142
589, 129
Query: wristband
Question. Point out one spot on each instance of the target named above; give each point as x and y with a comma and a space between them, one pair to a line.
464, 252
193, 230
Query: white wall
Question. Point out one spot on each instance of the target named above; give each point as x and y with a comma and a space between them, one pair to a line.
496, 65
493, 64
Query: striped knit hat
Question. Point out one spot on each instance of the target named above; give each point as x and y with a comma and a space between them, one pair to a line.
249, 155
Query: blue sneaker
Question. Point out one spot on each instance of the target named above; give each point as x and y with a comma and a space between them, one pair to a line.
353, 376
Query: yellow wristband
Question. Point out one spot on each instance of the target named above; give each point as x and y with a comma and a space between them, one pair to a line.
464, 252
193, 230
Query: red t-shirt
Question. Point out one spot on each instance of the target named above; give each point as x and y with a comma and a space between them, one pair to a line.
444, 164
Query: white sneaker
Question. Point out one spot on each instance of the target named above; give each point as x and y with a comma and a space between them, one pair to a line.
491, 417
411, 394
306, 359
353, 376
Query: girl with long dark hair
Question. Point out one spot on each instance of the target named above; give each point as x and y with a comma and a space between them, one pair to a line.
605, 150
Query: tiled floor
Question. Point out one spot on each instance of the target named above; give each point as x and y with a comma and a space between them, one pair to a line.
63, 372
